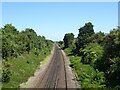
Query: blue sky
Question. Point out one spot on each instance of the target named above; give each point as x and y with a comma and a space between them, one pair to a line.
54, 19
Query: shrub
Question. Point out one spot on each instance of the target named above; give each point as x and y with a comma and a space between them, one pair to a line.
6, 75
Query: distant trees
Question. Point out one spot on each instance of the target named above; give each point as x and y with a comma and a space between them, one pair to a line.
61, 44
68, 39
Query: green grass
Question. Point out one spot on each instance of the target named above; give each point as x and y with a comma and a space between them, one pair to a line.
44, 61
22, 68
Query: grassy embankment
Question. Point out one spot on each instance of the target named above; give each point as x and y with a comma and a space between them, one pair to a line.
23, 67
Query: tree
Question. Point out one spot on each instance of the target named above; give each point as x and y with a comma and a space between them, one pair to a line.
92, 53
9, 28
84, 33
111, 61
97, 38
68, 39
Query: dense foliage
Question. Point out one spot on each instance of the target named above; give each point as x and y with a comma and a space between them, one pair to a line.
95, 57
87, 76
84, 32
15, 43
68, 38
21, 50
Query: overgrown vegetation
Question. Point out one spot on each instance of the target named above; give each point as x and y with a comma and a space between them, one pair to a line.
95, 57
21, 54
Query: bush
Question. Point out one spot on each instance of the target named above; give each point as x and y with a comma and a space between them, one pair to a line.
68, 51
6, 75
91, 53
90, 78
87, 76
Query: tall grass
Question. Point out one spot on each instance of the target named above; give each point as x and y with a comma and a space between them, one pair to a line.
22, 68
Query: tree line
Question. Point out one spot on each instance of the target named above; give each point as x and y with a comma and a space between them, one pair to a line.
16, 44
95, 57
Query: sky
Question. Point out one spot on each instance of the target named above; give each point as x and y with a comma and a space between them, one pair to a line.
54, 19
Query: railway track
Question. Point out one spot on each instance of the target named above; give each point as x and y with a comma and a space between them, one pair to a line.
54, 75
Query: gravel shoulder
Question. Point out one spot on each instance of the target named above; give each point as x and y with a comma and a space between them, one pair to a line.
71, 78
